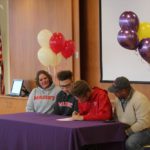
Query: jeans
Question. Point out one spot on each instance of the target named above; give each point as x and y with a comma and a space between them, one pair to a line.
137, 140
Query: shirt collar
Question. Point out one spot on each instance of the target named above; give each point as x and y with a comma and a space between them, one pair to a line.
130, 94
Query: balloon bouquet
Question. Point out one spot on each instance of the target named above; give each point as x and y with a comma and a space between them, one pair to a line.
53, 47
134, 35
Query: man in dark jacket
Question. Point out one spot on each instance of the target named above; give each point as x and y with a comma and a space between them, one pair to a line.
65, 104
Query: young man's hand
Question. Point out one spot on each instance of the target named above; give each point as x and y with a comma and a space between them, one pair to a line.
76, 116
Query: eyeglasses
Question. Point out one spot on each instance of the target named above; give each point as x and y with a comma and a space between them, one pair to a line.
66, 85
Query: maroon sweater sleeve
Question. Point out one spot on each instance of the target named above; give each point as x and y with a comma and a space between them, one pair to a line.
101, 108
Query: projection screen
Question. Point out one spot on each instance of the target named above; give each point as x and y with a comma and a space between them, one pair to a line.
115, 59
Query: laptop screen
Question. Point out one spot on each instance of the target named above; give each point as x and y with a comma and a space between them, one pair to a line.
16, 87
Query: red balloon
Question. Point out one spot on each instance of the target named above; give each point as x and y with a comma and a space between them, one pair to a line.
129, 20
128, 39
69, 49
57, 42
144, 49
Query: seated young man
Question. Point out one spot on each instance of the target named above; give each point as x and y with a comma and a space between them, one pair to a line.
65, 102
93, 103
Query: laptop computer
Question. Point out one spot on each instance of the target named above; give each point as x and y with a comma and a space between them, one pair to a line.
16, 87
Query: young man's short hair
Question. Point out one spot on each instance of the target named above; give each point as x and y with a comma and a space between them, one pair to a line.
80, 88
64, 75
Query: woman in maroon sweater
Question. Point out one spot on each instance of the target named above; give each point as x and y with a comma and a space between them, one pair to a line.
93, 103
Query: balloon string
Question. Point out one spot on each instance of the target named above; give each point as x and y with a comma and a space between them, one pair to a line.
49, 70
55, 61
54, 75
66, 62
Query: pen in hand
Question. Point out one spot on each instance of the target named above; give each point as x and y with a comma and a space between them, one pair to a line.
75, 113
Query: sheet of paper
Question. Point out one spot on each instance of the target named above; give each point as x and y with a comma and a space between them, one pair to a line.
65, 119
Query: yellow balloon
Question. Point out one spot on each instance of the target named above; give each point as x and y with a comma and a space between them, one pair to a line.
144, 30
44, 37
48, 58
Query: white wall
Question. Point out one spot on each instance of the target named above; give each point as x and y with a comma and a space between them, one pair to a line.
5, 41
116, 60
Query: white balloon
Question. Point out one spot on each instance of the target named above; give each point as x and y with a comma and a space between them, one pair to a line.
55, 59
48, 58
44, 37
